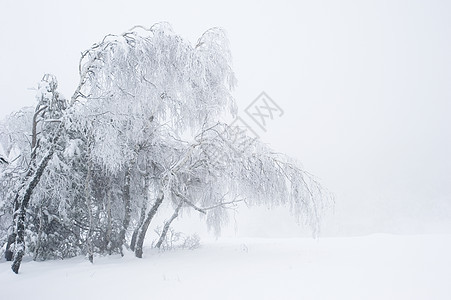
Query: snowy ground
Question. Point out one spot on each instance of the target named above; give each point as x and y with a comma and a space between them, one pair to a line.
372, 267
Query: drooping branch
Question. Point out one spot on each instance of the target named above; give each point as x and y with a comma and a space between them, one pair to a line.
188, 202
224, 204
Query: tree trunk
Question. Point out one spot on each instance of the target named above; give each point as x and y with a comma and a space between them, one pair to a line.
38, 242
13, 234
20, 238
142, 214
88, 204
127, 208
140, 223
167, 224
11, 239
109, 225
145, 226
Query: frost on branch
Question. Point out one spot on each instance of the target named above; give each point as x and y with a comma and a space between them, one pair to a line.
146, 77
246, 171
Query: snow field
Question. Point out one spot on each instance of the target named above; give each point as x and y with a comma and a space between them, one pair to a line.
379, 266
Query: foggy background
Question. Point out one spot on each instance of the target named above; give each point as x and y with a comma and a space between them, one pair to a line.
364, 86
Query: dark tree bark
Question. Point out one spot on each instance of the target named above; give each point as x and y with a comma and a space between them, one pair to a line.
142, 213
89, 207
127, 208
140, 223
168, 224
24, 200
11, 239
145, 226
109, 225
9, 254
38, 242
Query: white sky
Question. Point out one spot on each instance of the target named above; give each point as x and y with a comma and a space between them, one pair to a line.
365, 86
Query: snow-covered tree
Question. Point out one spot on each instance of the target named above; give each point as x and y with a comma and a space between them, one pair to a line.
14, 158
45, 131
138, 131
139, 91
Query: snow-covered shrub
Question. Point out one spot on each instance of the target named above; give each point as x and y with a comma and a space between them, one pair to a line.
177, 240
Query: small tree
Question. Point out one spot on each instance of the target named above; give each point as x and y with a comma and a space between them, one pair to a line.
44, 140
